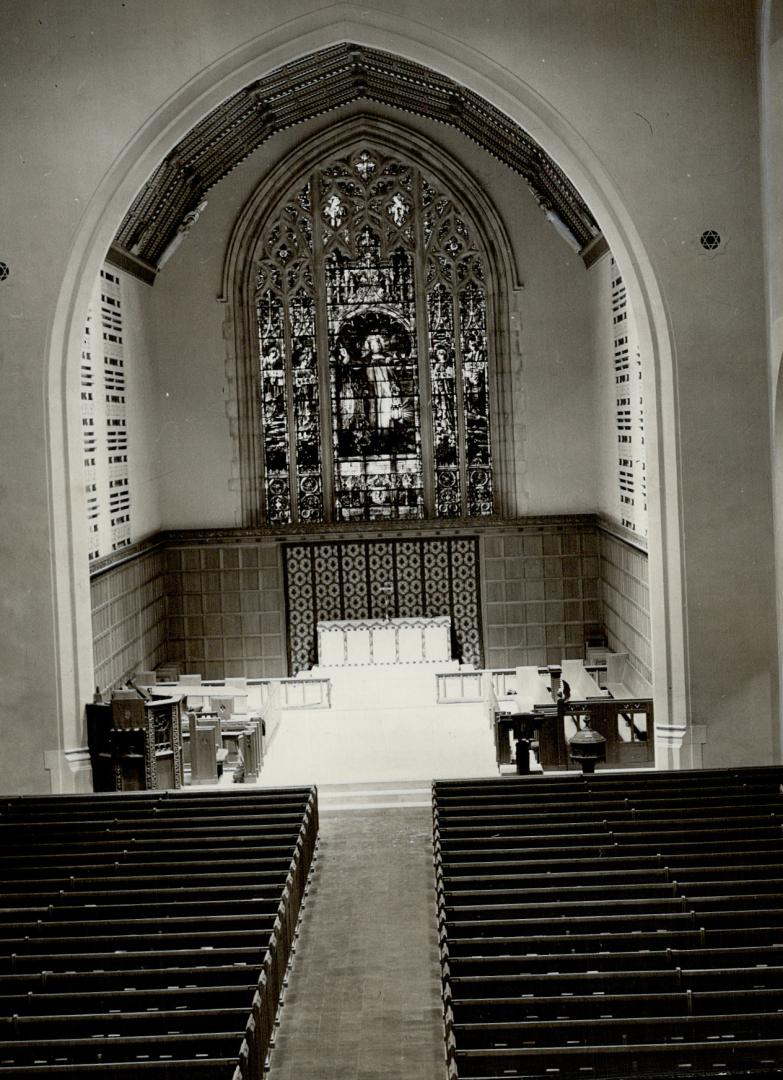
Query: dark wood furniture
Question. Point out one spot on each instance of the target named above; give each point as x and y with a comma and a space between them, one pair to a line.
136, 745
612, 926
626, 724
145, 936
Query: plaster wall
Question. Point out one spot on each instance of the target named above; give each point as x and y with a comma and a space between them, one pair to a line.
771, 83
653, 102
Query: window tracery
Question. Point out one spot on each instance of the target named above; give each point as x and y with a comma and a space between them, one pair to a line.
372, 317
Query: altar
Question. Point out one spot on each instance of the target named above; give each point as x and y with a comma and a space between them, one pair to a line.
384, 720
366, 642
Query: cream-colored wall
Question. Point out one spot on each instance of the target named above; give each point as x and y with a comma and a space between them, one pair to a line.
772, 165
651, 107
547, 420
195, 443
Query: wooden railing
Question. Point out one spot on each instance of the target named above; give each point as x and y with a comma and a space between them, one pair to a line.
295, 693
626, 724
460, 686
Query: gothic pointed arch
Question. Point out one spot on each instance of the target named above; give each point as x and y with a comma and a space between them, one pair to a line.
314, 84
367, 282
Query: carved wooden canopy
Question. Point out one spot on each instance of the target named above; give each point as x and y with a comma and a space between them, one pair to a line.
314, 85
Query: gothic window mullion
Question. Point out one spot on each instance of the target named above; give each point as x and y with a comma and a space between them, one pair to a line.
289, 402
459, 390
322, 349
425, 361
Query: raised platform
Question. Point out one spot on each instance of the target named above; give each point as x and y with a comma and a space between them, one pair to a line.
383, 686
344, 746
384, 724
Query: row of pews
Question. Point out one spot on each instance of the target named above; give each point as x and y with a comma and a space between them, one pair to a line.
147, 935
616, 925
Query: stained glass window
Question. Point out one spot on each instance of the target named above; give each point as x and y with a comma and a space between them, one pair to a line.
372, 317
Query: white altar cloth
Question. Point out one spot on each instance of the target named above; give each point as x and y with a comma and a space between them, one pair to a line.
365, 642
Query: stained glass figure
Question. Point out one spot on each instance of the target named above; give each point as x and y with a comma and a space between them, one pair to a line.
398, 209
334, 211
374, 383
443, 376
274, 413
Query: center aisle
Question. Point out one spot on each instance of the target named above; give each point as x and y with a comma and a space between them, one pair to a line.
363, 999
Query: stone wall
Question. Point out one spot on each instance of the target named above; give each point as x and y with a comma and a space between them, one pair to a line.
215, 603
625, 600
226, 607
541, 592
128, 616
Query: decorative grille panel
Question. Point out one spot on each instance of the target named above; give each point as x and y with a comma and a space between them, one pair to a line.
374, 578
104, 420
629, 410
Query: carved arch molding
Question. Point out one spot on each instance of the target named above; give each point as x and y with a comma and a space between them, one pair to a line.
312, 86
368, 251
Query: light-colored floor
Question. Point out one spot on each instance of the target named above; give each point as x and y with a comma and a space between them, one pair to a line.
384, 724
363, 1000
350, 745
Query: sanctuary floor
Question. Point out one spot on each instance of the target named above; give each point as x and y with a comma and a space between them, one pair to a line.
363, 1000
384, 723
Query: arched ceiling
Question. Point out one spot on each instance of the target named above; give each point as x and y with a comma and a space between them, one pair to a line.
309, 87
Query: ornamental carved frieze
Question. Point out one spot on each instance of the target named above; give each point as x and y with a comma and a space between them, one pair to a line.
312, 86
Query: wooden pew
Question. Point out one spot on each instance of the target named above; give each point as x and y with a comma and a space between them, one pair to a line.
114, 959
612, 926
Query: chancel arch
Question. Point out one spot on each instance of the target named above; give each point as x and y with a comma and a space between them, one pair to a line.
524, 105
368, 312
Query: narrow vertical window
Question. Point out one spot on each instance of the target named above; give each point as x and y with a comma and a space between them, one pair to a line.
274, 405
443, 365
473, 339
